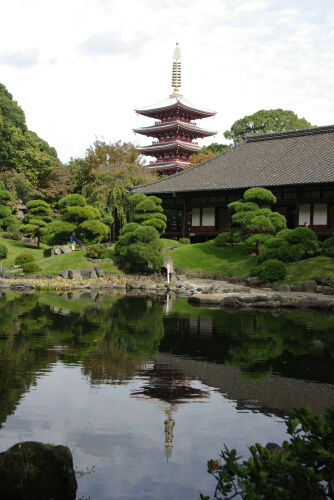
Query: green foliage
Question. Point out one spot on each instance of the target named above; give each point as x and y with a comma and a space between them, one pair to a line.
23, 258
184, 241
224, 239
214, 148
300, 469
47, 253
35, 222
97, 252
140, 246
328, 247
147, 210
30, 267
72, 200
265, 122
6, 217
291, 245
255, 222
261, 196
3, 252
271, 270
79, 220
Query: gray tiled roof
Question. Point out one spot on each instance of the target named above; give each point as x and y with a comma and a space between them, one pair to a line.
285, 158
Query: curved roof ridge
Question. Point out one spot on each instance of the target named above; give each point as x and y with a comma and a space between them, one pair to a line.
288, 133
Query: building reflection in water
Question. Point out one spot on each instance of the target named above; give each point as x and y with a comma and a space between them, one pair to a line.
171, 389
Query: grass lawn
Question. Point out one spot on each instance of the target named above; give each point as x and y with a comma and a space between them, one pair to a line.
201, 257
307, 269
56, 264
209, 258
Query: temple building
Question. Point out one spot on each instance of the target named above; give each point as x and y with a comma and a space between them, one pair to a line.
174, 129
296, 165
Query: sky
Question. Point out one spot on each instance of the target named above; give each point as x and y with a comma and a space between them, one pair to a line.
79, 68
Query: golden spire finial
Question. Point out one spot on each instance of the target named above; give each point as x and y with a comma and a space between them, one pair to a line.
176, 75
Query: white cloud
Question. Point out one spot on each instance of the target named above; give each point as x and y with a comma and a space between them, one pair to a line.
78, 68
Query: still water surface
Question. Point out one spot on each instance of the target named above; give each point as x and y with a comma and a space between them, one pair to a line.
145, 390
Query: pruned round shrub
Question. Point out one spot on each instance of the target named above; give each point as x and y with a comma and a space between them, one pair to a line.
291, 245
3, 252
328, 247
223, 240
271, 270
96, 252
23, 258
184, 241
47, 252
30, 267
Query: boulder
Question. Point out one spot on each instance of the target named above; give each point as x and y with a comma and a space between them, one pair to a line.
296, 288
30, 241
60, 249
73, 274
233, 301
3, 285
35, 471
100, 272
309, 286
86, 272
253, 281
283, 288
93, 275
133, 284
64, 274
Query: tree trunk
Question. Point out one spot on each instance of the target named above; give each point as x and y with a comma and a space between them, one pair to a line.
82, 246
114, 228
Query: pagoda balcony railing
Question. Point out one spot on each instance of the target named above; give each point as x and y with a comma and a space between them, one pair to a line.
168, 160
169, 120
173, 140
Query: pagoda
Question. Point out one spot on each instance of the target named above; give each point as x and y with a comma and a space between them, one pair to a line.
174, 129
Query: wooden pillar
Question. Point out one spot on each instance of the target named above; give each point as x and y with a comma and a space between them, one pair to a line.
185, 219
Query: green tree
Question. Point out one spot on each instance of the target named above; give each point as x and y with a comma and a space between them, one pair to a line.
109, 189
257, 224
147, 211
6, 217
301, 469
117, 153
57, 184
291, 245
140, 247
3, 254
79, 220
21, 150
265, 122
35, 222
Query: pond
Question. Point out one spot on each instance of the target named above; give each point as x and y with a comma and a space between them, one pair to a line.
145, 390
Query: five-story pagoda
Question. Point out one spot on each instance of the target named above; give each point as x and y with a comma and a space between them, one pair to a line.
174, 128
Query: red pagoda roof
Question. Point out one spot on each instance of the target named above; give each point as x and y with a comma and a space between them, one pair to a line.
174, 102
172, 124
161, 146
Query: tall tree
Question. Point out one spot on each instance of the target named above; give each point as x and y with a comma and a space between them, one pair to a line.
109, 190
118, 153
21, 150
6, 217
35, 222
57, 184
265, 122
147, 211
79, 220
258, 224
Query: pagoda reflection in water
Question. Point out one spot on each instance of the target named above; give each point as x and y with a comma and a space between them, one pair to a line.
171, 388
